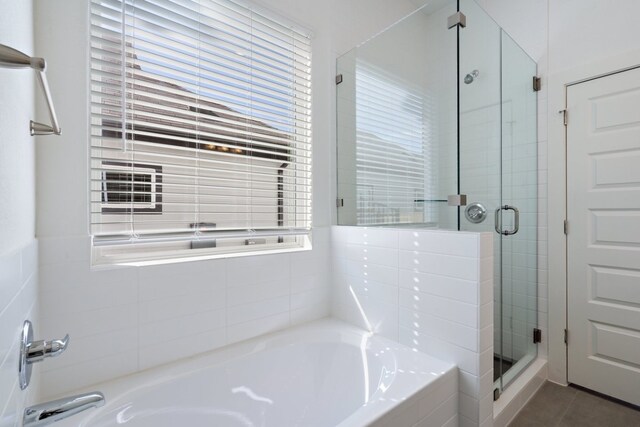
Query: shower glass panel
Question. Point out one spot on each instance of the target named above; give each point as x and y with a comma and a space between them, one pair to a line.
426, 111
481, 143
396, 104
498, 172
519, 189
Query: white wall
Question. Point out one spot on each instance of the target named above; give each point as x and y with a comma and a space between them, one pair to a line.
18, 248
428, 289
583, 31
524, 20
122, 320
586, 39
17, 148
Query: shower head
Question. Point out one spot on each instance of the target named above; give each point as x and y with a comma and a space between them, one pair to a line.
468, 79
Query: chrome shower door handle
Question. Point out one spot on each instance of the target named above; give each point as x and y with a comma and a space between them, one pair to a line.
516, 220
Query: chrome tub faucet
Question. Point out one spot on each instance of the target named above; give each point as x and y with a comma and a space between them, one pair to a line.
31, 352
56, 410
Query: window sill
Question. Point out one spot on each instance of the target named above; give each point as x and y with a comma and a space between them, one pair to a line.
99, 262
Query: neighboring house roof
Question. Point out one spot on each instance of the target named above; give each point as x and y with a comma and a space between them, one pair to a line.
395, 153
216, 121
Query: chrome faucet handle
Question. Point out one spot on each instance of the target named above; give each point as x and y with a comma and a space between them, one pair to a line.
35, 351
40, 350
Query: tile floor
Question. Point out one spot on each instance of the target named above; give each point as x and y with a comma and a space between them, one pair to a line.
555, 405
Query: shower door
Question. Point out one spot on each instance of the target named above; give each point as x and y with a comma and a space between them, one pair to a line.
498, 172
518, 216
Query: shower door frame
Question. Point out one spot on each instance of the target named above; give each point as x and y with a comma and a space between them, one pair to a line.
530, 355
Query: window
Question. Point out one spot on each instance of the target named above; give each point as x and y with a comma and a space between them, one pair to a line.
127, 186
200, 130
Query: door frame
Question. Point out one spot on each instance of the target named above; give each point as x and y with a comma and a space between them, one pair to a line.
558, 84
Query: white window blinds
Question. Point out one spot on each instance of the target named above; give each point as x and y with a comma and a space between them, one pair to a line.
200, 130
393, 148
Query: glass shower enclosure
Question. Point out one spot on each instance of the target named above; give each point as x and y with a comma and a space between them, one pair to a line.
436, 128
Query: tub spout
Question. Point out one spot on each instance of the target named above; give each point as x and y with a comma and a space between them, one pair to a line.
56, 410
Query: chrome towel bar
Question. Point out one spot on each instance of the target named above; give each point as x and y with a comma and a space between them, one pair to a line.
12, 58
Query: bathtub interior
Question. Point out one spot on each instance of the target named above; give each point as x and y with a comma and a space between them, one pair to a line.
301, 378
273, 387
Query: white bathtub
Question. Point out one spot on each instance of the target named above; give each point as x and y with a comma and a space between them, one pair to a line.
325, 373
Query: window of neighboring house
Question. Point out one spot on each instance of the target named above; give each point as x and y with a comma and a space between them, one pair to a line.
200, 130
127, 186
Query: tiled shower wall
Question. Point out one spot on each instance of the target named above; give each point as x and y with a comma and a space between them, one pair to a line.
428, 289
18, 302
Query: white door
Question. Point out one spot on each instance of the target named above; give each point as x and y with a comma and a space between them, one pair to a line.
603, 210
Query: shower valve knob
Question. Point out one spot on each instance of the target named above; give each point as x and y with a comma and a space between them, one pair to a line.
475, 213
40, 350
35, 351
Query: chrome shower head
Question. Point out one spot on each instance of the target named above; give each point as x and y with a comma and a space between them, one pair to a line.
468, 79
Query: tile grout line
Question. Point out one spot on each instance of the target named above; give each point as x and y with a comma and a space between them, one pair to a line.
566, 409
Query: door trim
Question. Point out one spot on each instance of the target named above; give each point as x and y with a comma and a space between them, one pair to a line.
557, 197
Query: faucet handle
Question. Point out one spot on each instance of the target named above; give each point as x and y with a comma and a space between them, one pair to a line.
40, 350
60, 345
35, 351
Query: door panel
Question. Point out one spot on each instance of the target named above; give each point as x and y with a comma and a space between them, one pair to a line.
603, 210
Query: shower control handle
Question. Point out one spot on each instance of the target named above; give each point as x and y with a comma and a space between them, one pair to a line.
516, 221
40, 350
35, 351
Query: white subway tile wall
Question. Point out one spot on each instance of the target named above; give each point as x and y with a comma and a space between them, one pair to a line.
428, 289
436, 405
18, 302
126, 319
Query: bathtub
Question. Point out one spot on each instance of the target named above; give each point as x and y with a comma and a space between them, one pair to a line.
325, 373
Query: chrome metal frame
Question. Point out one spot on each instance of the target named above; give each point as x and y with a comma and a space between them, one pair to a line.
12, 58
